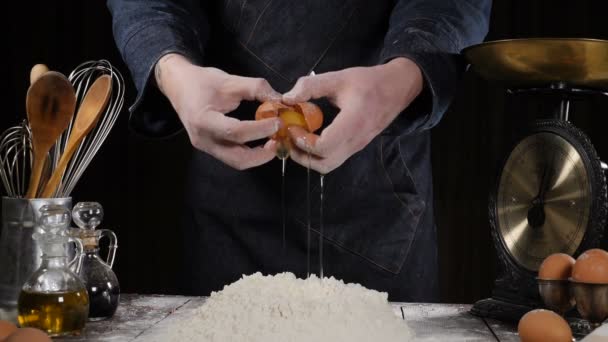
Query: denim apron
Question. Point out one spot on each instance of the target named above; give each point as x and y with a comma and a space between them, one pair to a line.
377, 229
378, 215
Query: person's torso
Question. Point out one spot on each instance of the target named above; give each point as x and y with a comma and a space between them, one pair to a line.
375, 201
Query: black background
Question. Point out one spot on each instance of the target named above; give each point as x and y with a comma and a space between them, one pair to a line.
139, 184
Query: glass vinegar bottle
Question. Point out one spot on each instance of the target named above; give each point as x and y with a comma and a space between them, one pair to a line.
100, 280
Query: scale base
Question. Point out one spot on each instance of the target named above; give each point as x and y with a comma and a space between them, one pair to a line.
510, 312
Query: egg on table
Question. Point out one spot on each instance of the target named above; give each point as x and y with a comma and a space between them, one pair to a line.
591, 267
543, 326
556, 266
28, 335
6, 328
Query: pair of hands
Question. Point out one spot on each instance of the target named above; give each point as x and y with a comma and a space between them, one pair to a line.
369, 99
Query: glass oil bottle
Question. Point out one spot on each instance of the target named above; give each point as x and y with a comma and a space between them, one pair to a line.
54, 299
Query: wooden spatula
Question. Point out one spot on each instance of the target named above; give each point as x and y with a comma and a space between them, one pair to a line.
91, 108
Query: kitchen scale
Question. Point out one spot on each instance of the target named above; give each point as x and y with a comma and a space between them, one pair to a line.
550, 195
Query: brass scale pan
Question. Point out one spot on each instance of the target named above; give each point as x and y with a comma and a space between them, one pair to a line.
546, 157
542, 62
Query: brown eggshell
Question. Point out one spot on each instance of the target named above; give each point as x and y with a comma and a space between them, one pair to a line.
28, 335
591, 267
6, 328
313, 117
269, 109
556, 266
312, 114
543, 326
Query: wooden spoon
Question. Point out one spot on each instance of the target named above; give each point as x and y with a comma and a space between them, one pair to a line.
50, 105
37, 71
91, 108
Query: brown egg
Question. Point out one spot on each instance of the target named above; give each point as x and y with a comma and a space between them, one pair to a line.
6, 328
306, 115
543, 326
28, 335
591, 267
556, 266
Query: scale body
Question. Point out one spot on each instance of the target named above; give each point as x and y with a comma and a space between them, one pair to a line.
550, 194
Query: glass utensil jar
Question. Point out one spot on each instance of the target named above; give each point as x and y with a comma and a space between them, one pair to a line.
19, 253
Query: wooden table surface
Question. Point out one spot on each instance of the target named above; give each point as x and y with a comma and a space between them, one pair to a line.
141, 316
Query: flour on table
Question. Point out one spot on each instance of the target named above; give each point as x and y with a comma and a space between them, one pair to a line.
287, 309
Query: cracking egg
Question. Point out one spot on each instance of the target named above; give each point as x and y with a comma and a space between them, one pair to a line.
305, 114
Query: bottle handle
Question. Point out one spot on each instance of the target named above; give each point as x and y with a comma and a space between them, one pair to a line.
113, 245
78, 256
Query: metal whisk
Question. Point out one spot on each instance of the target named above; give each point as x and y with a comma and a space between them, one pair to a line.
15, 159
82, 78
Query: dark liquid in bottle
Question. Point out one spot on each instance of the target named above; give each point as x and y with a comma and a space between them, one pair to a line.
104, 301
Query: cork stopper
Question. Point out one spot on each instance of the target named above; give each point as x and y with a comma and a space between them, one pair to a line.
89, 238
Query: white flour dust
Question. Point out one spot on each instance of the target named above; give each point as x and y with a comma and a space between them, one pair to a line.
287, 309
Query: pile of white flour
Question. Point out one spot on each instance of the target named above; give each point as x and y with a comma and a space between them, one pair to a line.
287, 309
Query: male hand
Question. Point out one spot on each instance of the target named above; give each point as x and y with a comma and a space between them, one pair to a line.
202, 96
369, 99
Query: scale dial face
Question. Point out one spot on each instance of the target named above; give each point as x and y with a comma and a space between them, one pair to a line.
543, 199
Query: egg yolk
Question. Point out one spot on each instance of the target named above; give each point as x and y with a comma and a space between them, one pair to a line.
290, 118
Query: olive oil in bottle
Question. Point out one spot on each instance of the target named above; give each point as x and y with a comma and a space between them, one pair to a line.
56, 313
54, 299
